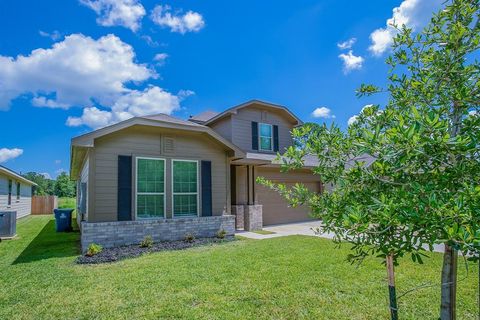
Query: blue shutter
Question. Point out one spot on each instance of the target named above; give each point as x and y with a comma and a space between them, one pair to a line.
254, 135
206, 188
275, 138
124, 198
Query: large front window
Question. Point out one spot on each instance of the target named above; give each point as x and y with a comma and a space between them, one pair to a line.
150, 188
185, 188
265, 136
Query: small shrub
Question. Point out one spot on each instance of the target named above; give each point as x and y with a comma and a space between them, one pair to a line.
93, 249
147, 242
189, 237
221, 234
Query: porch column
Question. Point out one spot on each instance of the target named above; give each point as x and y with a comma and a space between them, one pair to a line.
253, 211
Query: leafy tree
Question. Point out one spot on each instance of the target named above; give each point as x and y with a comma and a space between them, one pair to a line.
423, 188
64, 187
44, 186
61, 187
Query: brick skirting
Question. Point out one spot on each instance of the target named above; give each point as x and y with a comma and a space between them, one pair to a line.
118, 233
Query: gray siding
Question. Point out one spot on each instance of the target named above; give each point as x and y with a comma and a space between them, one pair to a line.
242, 130
23, 206
223, 127
144, 141
241, 185
238, 127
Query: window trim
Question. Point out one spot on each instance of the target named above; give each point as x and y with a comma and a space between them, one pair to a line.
185, 193
164, 193
260, 136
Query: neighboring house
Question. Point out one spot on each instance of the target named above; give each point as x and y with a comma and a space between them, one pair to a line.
162, 176
15, 192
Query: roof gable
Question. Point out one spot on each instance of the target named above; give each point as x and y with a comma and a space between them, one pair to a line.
267, 105
81, 143
14, 175
203, 116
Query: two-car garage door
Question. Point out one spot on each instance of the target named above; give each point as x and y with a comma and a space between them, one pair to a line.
275, 209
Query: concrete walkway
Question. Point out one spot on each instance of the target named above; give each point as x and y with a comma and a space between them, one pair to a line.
289, 229
298, 228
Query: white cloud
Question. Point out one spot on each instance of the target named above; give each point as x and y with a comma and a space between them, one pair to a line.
9, 154
49, 103
323, 112
60, 171
347, 44
189, 22
149, 40
46, 175
412, 13
352, 120
54, 35
160, 58
91, 117
58, 161
73, 72
137, 103
473, 113
126, 13
351, 61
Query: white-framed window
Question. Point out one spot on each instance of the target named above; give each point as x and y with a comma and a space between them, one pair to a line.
150, 188
185, 188
265, 136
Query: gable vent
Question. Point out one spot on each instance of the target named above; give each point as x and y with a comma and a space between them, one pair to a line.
168, 145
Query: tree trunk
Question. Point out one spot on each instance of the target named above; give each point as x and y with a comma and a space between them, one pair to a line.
449, 284
391, 288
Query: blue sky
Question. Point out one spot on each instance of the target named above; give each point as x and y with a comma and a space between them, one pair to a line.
67, 67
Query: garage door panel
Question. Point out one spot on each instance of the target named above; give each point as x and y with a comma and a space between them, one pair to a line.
276, 209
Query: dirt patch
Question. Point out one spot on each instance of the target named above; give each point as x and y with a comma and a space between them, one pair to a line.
125, 252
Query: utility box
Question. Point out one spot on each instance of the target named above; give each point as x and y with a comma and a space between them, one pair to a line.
8, 224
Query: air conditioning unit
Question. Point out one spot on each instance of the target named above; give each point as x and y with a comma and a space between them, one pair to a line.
8, 224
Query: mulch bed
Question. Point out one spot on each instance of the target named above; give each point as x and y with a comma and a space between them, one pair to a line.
119, 253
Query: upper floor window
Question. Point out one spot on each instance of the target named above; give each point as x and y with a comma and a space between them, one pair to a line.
265, 136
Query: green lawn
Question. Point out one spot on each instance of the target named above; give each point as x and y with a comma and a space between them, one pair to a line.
281, 278
264, 232
66, 203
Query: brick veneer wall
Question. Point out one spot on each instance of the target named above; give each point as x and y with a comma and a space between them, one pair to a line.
253, 217
239, 212
118, 233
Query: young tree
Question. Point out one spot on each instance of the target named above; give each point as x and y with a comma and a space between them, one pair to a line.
369, 204
423, 187
434, 85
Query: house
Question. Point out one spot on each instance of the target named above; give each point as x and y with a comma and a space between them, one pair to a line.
15, 192
166, 177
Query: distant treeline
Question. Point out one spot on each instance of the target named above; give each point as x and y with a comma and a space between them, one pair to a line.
61, 187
